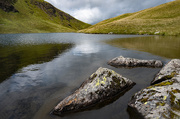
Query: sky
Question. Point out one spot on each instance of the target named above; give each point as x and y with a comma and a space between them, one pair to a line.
94, 11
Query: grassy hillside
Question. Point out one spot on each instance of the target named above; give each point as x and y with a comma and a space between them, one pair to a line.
35, 16
162, 20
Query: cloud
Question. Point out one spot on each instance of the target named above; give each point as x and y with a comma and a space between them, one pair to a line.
93, 11
88, 15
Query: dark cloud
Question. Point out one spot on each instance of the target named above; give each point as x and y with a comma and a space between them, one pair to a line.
93, 11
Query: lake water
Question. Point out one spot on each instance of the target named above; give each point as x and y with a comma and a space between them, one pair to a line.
34, 80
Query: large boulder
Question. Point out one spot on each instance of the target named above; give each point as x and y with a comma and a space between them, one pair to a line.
131, 62
161, 100
170, 70
100, 86
158, 101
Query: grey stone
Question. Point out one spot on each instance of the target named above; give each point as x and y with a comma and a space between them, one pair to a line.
161, 100
170, 70
131, 62
100, 86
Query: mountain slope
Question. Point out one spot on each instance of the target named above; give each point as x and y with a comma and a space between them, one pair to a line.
35, 16
163, 19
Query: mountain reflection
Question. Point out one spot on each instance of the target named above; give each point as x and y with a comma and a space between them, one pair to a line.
165, 46
13, 58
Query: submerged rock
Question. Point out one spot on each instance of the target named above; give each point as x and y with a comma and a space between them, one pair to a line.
131, 62
168, 71
161, 100
100, 86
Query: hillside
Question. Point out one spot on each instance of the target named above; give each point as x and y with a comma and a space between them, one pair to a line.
161, 20
35, 16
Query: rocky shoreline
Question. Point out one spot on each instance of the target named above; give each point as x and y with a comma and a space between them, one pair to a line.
160, 100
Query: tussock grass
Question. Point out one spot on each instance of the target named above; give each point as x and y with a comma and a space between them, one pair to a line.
160, 20
32, 18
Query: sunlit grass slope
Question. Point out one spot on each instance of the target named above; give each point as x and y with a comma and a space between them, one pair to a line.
162, 20
35, 16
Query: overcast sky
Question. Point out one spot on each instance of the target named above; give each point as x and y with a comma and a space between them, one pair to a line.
93, 11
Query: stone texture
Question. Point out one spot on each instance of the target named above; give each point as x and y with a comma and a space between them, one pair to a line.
8, 5
131, 62
100, 86
161, 100
170, 70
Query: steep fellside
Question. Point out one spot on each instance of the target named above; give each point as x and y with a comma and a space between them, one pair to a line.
160, 20
35, 16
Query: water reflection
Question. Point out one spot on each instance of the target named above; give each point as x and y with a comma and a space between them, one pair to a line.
35, 89
85, 47
165, 46
15, 57
25, 78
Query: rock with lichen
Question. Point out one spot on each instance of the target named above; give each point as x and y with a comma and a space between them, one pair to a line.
131, 62
100, 86
158, 101
170, 70
161, 100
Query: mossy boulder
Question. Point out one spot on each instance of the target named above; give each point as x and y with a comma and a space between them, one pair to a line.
131, 62
158, 101
162, 99
100, 86
169, 71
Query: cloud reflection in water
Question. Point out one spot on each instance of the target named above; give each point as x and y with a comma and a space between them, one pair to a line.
85, 48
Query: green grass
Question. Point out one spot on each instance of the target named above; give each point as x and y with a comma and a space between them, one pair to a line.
32, 19
160, 20
165, 46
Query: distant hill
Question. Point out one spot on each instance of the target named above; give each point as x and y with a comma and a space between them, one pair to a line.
162, 20
35, 16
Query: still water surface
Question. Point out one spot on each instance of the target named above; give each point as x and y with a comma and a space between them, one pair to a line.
39, 81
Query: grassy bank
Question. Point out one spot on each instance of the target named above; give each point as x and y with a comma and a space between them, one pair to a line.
160, 20
35, 16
